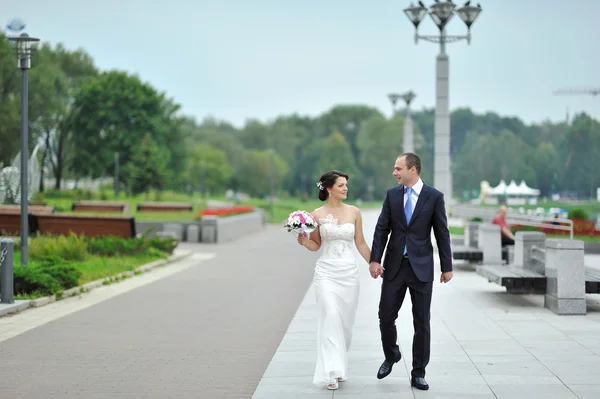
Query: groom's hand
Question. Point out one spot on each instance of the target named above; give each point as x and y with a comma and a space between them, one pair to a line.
445, 277
375, 269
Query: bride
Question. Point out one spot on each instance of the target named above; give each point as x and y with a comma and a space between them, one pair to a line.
335, 279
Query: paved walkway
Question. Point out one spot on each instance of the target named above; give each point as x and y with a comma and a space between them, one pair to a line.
485, 344
205, 327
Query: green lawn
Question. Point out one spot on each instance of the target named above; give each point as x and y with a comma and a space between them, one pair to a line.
95, 267
282, 207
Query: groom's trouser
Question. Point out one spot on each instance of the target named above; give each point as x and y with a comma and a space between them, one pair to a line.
392, 296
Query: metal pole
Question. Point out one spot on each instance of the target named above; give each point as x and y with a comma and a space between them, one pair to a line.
442, 179
202, 180
6, 271
408, 145
272, 168
24, 161
116, 175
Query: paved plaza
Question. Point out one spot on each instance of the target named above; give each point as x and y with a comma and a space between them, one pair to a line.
485, 344
238, 320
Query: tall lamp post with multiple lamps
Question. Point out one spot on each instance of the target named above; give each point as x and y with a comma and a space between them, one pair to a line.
24, 46
441, 12
408, 136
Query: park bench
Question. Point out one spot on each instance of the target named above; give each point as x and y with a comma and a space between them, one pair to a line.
553, 267
10, 218
16, 209
100, 206
165, 207
482, 242
91, 226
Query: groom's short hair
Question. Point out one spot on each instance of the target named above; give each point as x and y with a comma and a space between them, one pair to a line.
412, 160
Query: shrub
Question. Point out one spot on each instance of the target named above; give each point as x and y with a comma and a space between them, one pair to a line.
113, 246
578, 213
46, 278
69, 247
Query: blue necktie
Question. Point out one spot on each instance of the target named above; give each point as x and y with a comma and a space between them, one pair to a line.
408, 209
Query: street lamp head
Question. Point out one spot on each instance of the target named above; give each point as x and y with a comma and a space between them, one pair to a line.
408, 97
415, 13
24, 47
469, 13
394, 97
441, 13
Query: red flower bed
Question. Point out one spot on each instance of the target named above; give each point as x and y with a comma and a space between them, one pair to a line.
234, 210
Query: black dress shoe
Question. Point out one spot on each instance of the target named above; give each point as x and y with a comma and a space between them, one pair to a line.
386, 367
419, 383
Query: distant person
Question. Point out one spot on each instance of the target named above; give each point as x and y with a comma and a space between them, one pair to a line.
508, 238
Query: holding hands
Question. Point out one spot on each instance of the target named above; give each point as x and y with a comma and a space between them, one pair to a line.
375, 269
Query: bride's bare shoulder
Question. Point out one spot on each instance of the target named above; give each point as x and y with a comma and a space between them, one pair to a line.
319, 213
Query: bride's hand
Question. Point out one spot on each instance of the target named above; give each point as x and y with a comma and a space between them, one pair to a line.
302, 238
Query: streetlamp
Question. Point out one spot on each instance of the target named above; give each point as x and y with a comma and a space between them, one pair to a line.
24, 46
408, 140
394, 97
441, 13
272, 180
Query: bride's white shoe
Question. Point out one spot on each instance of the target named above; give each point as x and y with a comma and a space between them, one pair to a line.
342, 379
332, 385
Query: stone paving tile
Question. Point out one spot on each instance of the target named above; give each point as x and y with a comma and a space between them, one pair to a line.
485, 344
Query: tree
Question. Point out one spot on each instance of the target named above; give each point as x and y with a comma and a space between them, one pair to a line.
337, 154
257, 177
147, 168
209, 168
114, 111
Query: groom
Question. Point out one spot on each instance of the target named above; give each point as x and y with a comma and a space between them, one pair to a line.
410, 211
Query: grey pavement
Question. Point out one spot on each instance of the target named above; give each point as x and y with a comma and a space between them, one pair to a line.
208, 330
485, 344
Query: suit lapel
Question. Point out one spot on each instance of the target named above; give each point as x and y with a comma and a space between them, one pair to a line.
422, 199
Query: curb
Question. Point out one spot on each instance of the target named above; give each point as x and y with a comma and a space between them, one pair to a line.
43, 301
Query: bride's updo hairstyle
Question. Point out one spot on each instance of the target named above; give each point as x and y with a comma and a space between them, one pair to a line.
327, 180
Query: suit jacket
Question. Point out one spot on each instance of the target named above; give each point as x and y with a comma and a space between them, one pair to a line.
429, 213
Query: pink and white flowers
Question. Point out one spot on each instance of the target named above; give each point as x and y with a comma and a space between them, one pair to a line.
300, 222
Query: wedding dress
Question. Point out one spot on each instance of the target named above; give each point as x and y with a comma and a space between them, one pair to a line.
336, 288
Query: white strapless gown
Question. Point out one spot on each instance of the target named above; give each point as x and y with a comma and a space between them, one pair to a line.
336, 286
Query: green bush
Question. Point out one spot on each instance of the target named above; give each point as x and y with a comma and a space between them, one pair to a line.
578, 213
46, 278
113, 246
69, 248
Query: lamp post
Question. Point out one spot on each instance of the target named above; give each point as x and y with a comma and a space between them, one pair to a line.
408, 140
408, 144
24, 46
272, 180
441, 13
394, 97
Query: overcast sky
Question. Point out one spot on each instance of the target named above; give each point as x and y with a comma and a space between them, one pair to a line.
239, 59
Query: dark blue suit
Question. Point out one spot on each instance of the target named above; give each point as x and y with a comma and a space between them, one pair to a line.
413, 271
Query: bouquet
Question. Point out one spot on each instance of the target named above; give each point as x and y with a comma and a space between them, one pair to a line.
300, 222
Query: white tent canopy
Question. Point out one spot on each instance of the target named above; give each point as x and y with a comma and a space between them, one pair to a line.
514, 190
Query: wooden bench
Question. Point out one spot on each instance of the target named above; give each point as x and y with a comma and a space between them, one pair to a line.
165, 207
553, 267
522, 281
592, 281
91, 226
34, 209
100, 206
10, 224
